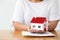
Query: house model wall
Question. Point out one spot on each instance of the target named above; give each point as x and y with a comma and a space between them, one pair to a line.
38, 23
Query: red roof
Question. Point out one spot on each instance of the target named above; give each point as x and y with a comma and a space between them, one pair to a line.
38, 20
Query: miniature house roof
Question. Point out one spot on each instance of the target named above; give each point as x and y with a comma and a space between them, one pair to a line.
38, 20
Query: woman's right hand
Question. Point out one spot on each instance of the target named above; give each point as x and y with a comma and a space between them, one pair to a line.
31, 30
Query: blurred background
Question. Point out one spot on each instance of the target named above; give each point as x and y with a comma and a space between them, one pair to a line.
6, 13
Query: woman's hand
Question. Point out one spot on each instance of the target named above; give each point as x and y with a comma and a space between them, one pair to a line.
34, 30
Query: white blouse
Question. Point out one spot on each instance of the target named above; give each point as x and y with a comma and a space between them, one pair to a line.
26, 10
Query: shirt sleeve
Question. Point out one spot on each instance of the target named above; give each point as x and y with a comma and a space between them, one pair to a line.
54, 12
18, 12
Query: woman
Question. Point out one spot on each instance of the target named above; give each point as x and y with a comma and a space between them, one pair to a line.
25, 10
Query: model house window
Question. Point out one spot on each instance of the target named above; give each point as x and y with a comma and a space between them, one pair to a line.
33, 26
39, 26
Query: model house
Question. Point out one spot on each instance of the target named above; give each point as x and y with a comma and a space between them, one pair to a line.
38, 23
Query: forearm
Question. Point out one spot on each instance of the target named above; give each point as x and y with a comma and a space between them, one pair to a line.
52, 25
20, 26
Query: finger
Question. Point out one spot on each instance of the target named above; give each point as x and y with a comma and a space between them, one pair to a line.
29, 28
40, 31
33, 30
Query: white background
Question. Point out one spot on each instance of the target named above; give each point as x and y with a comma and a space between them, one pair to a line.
6, 12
